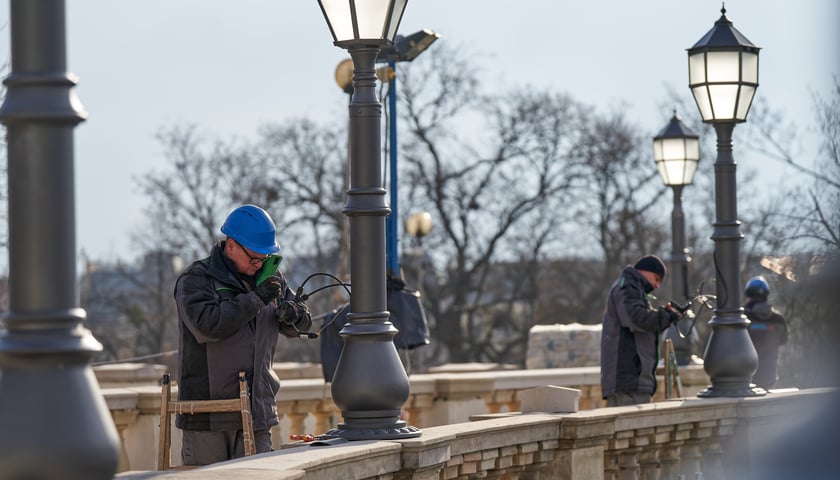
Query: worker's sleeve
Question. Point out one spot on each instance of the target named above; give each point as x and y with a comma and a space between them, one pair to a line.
212, 315
634, 312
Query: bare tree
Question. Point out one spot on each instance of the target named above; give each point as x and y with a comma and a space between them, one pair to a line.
199, 186
502, 192
813, 217
130, 308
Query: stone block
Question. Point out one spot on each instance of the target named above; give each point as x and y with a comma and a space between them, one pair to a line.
550, 399
563, 346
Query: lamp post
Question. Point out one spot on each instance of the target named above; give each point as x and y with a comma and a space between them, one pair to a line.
54, 422
676, 150
405, 49
723, 76
370, 385
418, 225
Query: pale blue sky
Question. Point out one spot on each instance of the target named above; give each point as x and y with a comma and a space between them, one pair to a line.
230, 66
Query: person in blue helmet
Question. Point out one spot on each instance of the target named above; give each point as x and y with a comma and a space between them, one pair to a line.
232, 307
768, 330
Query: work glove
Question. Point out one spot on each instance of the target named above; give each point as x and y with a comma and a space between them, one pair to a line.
286, 313
269, 289
294, 313
672, 315
680, 308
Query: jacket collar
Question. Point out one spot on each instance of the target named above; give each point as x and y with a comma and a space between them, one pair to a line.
223, 268
630, 270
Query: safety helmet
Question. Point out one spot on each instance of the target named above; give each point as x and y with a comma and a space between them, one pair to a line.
251, 227
756, 287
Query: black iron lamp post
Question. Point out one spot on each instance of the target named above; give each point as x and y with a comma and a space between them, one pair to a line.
723, 76
676, 150
54, 422
370, 385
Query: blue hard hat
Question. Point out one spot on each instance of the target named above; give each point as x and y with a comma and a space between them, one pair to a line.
756, 287
251, 227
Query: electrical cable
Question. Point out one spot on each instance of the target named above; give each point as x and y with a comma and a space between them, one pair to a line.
300, 296
704, 301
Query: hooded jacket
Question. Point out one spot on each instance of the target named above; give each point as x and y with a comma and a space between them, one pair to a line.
630, 336
768, 330
224, 328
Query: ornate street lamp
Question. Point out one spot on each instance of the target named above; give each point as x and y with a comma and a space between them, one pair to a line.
676, 150
370, 385
723, 76
417, 226
54, 422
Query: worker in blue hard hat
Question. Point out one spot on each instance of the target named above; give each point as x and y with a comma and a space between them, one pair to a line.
232, 307
768, 330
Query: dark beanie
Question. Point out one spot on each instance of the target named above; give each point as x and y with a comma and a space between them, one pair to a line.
651, 263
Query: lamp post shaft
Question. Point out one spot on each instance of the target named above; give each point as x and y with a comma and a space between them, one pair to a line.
730, 358
370, 385
45, 350
679, 259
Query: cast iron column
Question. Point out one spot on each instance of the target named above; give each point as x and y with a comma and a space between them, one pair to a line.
679, 277
730, 358
54, 423
370, 385
679, 259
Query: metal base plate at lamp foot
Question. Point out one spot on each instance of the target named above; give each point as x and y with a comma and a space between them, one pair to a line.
737, 391
375, 427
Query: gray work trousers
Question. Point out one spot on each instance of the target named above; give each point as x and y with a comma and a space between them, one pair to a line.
199, 447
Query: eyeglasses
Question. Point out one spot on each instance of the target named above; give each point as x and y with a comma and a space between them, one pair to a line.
252, 260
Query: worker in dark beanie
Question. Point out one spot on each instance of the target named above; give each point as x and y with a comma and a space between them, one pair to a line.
630, 335
652, 263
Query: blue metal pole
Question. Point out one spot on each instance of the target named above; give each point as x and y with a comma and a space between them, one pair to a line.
391, 250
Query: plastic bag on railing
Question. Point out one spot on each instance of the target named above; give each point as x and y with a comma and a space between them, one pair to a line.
407, 315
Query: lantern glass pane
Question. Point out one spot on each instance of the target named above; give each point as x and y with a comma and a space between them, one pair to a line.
688, 174
663, 172
673, 149
723, 67
701, 96
749, 67
723, 101
371, 17
744, 101
674, 172
396, 16
697, 68
338, 14
657, 151
692, 149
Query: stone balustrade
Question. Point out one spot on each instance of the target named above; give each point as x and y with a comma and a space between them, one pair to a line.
305, 404
694, 438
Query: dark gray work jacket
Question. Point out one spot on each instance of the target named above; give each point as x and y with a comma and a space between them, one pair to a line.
224, 328
630, 336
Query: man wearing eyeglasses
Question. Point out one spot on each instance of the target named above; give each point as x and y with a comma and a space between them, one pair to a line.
232, 307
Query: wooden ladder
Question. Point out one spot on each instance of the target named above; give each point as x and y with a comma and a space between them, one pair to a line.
190, 407
672, 371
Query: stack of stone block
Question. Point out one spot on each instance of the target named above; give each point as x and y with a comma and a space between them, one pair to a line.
563, 346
